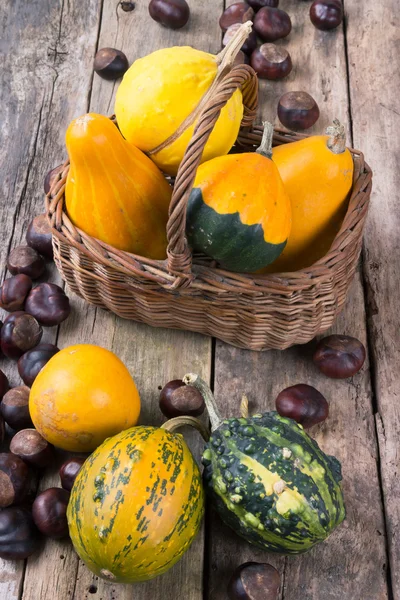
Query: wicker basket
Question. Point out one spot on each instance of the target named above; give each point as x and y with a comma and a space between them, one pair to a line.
257, 312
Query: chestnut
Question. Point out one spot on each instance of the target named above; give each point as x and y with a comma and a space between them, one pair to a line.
4, 385
339, 356
49, 512
19, 537
69, 470
241, 59
20, 333
48, 303
14, 291
24, 259
177, 399
110, 63
32, 362
271, 24
257, 4
249, 45
14, 479
254, 581
2, 429
51, 177
271, 61
240, 12
39, 236
32, 448
326, 14
15, 408
302, 403
170, 13
298, 110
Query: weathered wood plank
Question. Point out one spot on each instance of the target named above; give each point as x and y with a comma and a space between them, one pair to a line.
46, 49
373, 40
352, 563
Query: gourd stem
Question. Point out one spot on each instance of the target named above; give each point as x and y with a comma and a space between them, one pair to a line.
227, 56
178, 422
337, 137
265, 148
204, 389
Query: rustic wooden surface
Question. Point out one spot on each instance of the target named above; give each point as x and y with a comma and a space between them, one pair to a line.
354, 74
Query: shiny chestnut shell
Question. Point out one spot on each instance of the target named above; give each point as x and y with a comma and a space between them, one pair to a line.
69, 470
32, 448
239, 12
4, 384
39, 237
173, 14
303, 403
14, 292
110, 63
178, 399
258, 4
254, 581
298, 110
271, 62
19, 537
32, 362
49, 512
272, 24
14, 479
20, 333
24, 259
339, 356
15, 408
326, 14
48, 303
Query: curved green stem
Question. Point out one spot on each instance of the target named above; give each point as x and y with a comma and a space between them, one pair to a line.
204, 389
174, 424
265, 148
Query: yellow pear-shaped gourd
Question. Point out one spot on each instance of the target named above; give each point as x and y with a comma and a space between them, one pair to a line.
317, 173
158, 102
114, 192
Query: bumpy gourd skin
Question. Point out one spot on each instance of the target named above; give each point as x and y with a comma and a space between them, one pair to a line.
238, 212
157, 94
318, 183
272, 483
136, 505
114, 192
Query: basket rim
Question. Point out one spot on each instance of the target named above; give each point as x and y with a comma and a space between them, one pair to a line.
205, 277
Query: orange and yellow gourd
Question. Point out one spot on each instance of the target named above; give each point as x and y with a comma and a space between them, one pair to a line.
114, 192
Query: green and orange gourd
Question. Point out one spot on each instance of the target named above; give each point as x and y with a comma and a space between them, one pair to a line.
114, 192
239, 212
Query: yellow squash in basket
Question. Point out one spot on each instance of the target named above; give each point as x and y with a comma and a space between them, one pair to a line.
160, 98
317, 173
114, 192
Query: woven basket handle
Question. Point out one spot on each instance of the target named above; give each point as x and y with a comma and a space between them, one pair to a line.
241, 76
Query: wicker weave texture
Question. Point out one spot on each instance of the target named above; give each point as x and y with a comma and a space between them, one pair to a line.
257, 312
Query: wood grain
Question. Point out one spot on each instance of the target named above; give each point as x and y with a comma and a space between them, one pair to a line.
352, 563
373, 39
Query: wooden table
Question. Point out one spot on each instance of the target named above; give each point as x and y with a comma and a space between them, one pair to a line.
354, 74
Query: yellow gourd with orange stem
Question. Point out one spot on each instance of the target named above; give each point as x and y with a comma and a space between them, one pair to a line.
114, 192
317, 173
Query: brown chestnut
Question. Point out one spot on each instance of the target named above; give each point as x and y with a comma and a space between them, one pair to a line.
170, 13
32, 362
254, 581
298, 110
51, 177
14, 479
19, 537
2, 429
110, 63
326, 14
249, 45
271, 61
339, 356
24, 259
240, 12
178, 399
20, 333
14, 291
4, 385
272, 24
15, 408
49, 512
302, 403
48, 303
241, 59
69, 470
32, 448
257, 4
39, 236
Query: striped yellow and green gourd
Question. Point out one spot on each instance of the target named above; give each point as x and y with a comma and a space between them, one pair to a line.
136, 505
270, 481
